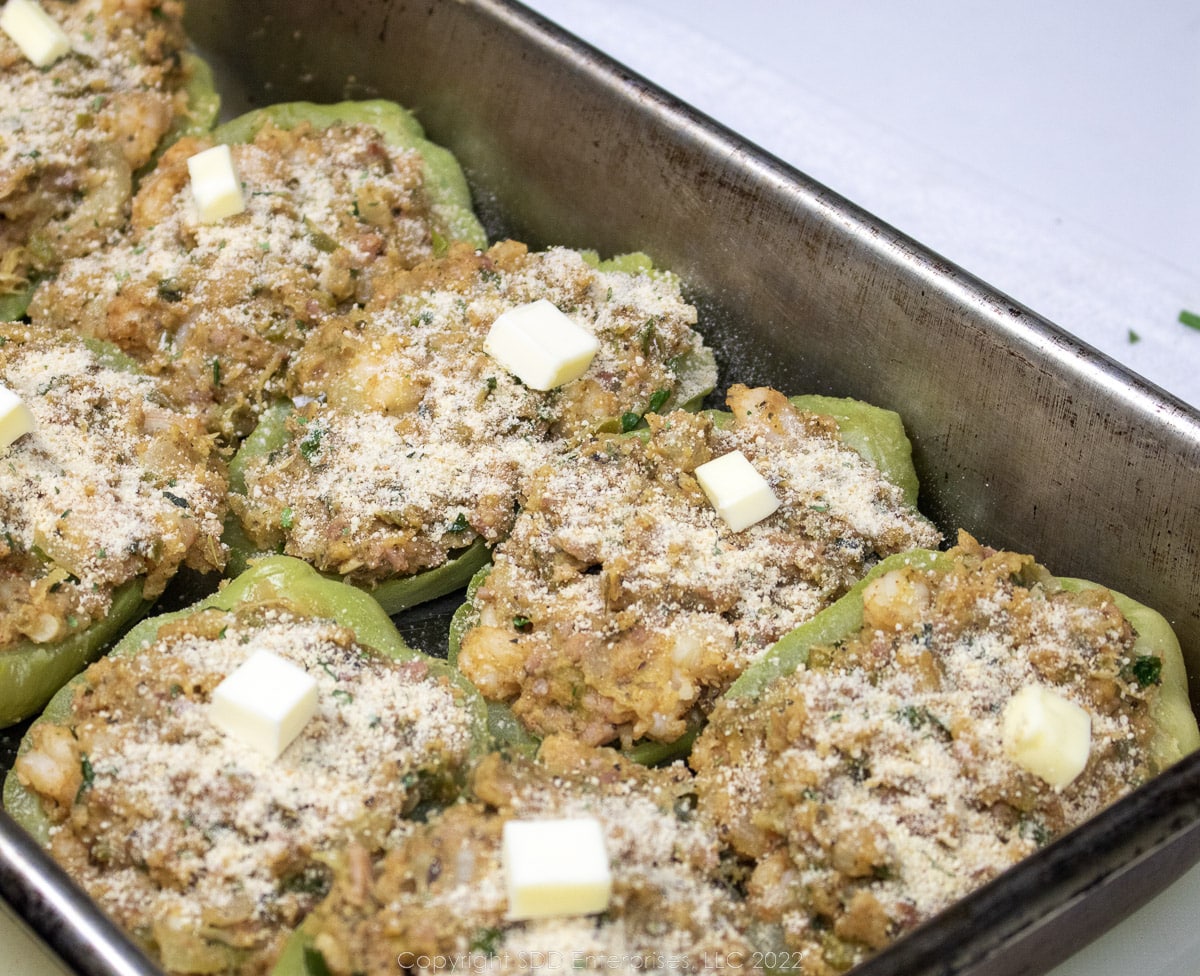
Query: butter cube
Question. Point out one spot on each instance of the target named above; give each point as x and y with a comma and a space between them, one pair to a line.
216, 186
555, 867
34, 31
1047, 735
16, 420
540, 346
740, 494
265, 703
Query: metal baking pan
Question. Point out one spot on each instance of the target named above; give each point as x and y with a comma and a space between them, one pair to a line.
1022, 436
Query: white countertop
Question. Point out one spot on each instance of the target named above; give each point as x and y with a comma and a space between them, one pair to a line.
1050, 149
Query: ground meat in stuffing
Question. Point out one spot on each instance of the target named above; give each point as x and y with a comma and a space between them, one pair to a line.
72, 135
216, 310
111, 485
870, 789
622, 601
441, 893
207, 852
412, 442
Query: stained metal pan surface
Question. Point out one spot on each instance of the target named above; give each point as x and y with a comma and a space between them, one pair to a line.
1022, 435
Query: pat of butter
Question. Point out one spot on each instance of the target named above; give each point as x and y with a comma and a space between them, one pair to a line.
740, 494
216, 186
34, 31
1047, 735
265, 703
16, 420
540, 346
555, 867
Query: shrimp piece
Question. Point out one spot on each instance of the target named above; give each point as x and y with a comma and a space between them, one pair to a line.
52, 767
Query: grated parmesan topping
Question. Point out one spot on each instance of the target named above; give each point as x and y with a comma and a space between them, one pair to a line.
872, 788
413, 443
671, 909
183, 829
375, 498
218, 308
72, 134
634, 601
652, 850
109, 486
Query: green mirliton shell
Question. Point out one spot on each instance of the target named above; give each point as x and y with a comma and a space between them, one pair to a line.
874, 433
446, 186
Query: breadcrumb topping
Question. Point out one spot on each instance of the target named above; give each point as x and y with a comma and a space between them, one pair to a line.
622, 601
111, 485
191, 839
412, 442
73, 134
439, 899
871, 789
217, 309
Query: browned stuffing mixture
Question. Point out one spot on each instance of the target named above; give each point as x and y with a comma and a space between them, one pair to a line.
72, 134
111, 485
441, 896
870, 789
412, 442
205, 850
217, 309
622, 601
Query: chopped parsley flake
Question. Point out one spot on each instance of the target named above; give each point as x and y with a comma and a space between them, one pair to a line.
657, 400
175, 500
311, 443
89, 775
1145, 669
314, 962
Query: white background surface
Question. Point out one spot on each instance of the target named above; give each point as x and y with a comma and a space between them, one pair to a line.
1051, 148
